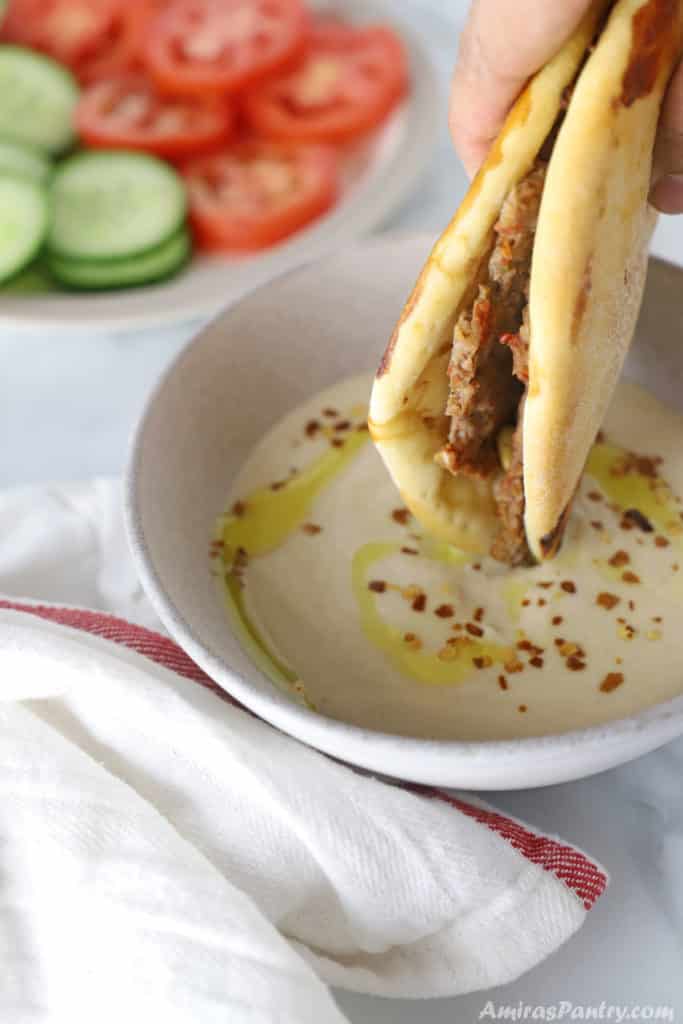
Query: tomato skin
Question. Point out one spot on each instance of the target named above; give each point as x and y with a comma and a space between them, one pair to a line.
121, 49
68, 30
180, 27
279, 109
125, 112
242, 223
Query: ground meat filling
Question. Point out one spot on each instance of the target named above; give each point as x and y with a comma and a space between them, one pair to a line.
488, 369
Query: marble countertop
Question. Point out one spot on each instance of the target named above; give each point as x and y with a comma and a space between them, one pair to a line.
67, 407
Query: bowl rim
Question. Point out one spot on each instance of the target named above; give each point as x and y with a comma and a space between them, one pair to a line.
273, 705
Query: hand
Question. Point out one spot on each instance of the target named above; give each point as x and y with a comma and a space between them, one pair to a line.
503, 43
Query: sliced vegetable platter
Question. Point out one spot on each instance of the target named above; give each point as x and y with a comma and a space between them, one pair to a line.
228, 139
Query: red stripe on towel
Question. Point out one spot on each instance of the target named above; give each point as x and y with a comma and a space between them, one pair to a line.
571, 866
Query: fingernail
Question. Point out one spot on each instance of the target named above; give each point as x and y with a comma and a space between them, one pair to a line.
667, 194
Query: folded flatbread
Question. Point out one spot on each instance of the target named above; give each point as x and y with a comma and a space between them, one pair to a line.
496, 379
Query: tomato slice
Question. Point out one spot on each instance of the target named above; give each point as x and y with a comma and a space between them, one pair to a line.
127, 113
224, 45
68, 30
256, 193
121, 48
347, 83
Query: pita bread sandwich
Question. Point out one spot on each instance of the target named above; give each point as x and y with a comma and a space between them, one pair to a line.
496, 379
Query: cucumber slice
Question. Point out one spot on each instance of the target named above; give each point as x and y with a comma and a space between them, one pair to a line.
23, 223
37, 99
32, 280
108, 204
23, 162
154, 265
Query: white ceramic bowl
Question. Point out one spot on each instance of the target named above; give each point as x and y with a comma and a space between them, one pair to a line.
275, 348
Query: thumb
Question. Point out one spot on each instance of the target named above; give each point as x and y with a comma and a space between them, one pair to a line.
502, 44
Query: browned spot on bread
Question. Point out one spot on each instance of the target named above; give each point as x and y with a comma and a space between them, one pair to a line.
515, 119
652, 39
550, 543
581, 302
385, 362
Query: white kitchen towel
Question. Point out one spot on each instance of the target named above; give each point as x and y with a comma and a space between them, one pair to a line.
166, 856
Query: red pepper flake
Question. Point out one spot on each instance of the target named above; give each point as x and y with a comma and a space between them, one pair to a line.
522, 708
631, 606
619, 558
478, 614
484, 662
575, 664
362, 426
611, 681
630, 577
420, 603
545, 584
595, 496
477, 566
536, 661
239, 564
330, 413
311, 428
541, 602
400, 515
526, 602
559, 641
645, 465
606, 600
636, 518
661, 542
410, 551
337, 442
513, 666
343, 425
657, 618
377, 586
568, 586
444, 611
524, 645
474, 630
502, 682
556, 620
311, 528
568, 649
239, 508
596, 524
277, 485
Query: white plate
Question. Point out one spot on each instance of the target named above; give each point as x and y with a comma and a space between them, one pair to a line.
268, 353
376, 177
